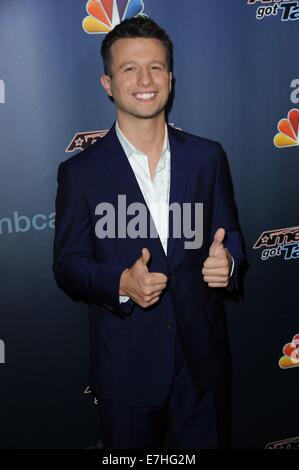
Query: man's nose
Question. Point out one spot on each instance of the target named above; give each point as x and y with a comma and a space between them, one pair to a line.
144, 77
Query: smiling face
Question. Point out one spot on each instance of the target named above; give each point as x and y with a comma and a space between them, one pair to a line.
140, 82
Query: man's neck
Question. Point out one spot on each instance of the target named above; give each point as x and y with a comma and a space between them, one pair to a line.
147, 135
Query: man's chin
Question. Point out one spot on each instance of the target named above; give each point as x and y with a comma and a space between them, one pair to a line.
148, 115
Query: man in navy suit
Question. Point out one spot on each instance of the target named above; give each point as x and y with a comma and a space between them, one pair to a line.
159, 353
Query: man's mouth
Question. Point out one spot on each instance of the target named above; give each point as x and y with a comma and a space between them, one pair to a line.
145, 97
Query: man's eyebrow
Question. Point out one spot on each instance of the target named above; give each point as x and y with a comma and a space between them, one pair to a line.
160, 62
132, 62
129, 62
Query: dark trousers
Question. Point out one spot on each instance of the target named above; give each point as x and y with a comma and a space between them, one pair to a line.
186, 420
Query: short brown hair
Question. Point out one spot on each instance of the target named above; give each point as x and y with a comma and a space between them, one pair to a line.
139, 27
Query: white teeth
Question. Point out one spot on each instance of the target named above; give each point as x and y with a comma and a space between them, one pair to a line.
145, 96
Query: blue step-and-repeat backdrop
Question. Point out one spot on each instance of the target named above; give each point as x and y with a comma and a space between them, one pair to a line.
237, 82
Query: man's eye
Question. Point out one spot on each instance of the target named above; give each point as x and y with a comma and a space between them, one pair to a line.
156, 67
129, 69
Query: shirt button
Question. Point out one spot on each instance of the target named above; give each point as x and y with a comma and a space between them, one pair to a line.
169, 324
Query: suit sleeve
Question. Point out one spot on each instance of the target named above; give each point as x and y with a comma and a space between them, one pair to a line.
225, 215
75, 268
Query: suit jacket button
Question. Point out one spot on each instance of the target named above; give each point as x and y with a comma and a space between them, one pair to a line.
169, 324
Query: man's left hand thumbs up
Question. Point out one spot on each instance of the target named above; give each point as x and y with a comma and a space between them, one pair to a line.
217, 266
217, 245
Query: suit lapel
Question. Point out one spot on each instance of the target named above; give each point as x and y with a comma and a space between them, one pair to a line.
178, 180
123, 175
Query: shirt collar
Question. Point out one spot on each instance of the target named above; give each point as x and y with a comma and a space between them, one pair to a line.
129, 148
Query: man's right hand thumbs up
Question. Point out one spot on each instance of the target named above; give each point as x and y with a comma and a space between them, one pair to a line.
141, 285
145, 256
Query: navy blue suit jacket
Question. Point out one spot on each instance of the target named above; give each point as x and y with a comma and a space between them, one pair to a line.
132, 349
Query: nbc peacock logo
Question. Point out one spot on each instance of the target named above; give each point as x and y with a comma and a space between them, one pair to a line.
104, 15
288, 135
291, 354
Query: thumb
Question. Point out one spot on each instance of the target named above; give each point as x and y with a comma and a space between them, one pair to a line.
217, 242
145, 256
219, 236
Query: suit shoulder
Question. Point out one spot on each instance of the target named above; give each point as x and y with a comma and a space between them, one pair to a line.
198, 143
85, 159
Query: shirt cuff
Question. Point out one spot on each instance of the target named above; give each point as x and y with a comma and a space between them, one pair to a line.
123, 298
233, 267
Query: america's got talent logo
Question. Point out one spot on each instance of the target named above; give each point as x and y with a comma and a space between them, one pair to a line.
82, 140
287, 10
282, 242
292, 443
104, 15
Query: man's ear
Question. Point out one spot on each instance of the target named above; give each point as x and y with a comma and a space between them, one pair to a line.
106, 83
170, 81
